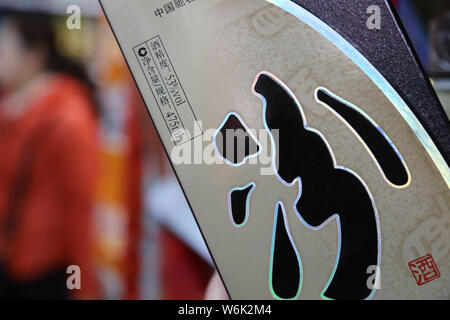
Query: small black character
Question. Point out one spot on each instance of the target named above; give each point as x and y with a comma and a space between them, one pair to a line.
169, 7
159, 12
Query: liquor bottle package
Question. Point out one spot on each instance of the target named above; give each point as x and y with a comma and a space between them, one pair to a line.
308, 142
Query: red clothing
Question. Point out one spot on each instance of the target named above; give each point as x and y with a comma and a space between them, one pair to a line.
184, 274
54, 224
133, 197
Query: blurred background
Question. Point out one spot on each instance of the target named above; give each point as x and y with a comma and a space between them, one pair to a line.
83, 177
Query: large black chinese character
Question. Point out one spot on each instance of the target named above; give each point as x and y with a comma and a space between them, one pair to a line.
327, 190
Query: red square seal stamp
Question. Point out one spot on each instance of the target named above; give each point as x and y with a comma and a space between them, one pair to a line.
424, 269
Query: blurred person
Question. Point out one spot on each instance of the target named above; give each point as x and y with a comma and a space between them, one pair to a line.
47, 165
